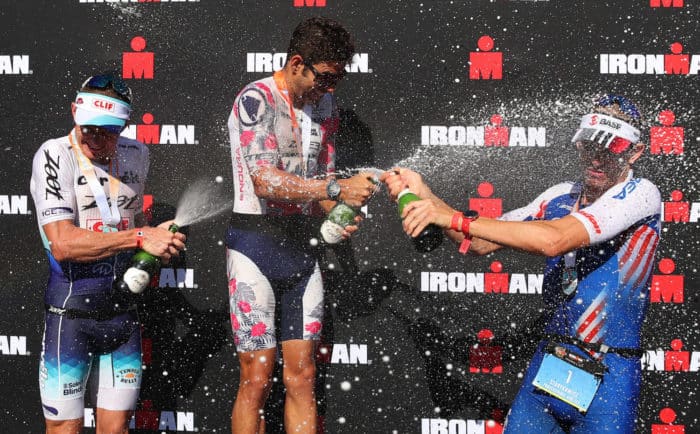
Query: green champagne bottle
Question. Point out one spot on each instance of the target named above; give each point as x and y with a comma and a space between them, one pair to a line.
143, 267
431, 237
333, 226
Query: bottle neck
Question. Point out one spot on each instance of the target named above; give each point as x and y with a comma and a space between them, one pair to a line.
403, 192
405, 197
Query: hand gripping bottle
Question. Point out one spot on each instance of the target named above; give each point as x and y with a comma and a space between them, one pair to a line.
341, 215
431, 237
333, 226
142, 269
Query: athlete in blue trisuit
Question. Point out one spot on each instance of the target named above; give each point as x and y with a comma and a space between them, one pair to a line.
599, 236
88, 191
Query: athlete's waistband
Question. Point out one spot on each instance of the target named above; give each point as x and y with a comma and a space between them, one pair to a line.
290, 224
293, 231
99, 315
630, 353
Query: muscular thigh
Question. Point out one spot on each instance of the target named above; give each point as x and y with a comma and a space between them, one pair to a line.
70, 347
270, 282
119, 370
64, 367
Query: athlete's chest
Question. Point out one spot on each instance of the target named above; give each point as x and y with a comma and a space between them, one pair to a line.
305, 131
121, 184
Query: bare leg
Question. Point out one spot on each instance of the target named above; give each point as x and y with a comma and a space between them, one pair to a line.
72, 426
253, 388
112, 421
299, 380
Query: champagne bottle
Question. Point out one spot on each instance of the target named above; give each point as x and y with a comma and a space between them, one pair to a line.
342, 214
431, 237
143, 267
333, 226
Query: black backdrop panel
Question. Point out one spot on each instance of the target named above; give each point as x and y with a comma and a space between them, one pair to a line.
396, 345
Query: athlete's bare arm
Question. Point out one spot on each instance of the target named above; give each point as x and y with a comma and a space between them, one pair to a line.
70, 243
273, 183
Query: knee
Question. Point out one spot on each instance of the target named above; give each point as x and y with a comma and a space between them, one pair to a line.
256, 384
73, 426
112, 428
299, 377
116, 425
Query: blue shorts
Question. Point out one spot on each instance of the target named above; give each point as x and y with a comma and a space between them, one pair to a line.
71, 346
274, 281
613, 410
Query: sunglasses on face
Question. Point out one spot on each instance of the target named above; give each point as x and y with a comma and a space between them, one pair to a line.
593, 150
101, 132
325, 80
105, 81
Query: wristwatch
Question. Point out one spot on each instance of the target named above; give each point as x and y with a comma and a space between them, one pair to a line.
469, 216
333, 190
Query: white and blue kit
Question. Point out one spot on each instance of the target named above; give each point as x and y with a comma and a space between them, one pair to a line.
604, 308
82, 323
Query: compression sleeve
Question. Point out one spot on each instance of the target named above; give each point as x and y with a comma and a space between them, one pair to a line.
619, 208
252, 126
52, 183
535, 210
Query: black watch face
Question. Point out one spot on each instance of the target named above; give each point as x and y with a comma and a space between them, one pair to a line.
333, 190
471, 214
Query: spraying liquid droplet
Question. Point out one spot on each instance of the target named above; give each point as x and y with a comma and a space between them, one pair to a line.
200, 201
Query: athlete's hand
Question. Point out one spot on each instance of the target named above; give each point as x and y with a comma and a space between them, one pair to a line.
420, 213
399, 179
357, 190
161, 242
351, 229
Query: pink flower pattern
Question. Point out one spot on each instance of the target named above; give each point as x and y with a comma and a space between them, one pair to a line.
244, 306
313, 327
258, 329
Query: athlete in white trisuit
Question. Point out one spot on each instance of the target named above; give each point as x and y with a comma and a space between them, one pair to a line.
88, 191
282, 131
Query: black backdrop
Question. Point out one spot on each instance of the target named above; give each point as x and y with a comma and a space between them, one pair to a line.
399, 358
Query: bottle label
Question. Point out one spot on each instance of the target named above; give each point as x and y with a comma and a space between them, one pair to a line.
137, 280
342, 215
332, 233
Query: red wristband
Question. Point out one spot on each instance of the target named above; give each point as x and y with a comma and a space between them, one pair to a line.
464, 246
139, 238
465, 226
457, 219
466, 221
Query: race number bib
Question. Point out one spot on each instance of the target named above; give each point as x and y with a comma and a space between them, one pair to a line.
570, 383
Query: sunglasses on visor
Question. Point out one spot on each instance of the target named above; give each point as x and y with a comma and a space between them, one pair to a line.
613, 143
325, 80
105, 81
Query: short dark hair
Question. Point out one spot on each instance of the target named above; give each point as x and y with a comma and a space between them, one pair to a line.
621, 108
320, 39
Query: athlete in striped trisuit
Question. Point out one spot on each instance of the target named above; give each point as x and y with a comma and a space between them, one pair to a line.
599, 236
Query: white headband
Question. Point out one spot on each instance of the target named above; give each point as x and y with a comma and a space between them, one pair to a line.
605, 129
100, 110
